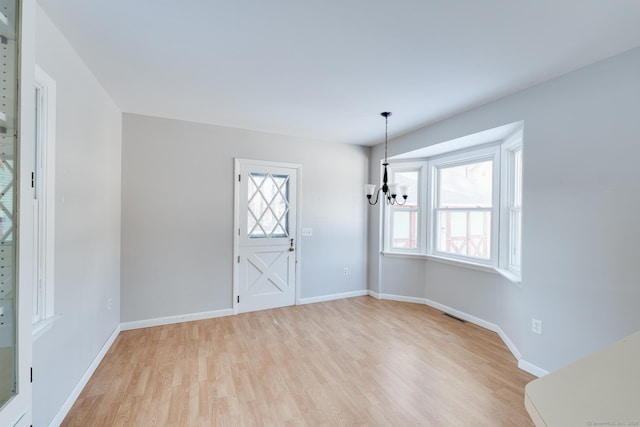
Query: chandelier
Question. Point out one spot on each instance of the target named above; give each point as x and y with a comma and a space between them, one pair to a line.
390, 191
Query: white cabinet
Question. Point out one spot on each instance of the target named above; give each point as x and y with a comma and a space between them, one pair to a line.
601, 389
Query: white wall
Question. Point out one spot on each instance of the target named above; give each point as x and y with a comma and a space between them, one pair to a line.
87, 212
177, 214
580, 228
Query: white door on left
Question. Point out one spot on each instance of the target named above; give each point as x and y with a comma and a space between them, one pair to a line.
266, 218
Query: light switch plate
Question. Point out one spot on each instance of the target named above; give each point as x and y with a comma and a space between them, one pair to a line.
307, 232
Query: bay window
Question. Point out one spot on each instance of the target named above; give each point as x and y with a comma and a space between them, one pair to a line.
464, 206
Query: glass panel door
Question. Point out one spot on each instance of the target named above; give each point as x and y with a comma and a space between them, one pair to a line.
8, 113
268, 205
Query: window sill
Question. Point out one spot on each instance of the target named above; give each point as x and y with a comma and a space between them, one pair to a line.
403, 255
40, 328
508, 274
459, 263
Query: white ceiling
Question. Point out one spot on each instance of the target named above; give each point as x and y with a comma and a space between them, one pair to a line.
326, 69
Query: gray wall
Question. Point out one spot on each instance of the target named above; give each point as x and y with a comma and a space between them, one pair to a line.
581, 199
87, 211
177, 214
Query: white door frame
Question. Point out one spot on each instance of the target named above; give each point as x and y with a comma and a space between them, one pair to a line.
236, 223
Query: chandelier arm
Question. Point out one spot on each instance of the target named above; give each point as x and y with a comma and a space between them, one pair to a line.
377, 197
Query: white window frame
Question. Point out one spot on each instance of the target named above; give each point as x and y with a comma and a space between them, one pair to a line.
508, 242
44, 204
486, 152
421, 243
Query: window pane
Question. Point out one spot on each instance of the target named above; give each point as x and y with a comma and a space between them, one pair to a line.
465, 233
517, 170
404, 230
268, 205
516, 239
466, 186
410, 179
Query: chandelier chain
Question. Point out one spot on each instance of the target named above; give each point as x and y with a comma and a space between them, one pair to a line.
386, 137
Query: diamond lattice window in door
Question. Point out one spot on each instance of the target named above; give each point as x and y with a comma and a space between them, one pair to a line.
268, 205
6, 200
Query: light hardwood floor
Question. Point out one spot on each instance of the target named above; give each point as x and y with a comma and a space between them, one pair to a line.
357, 361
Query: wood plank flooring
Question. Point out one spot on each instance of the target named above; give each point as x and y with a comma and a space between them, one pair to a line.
357, 361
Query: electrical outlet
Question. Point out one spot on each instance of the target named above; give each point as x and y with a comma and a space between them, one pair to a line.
536, 326
109, 304
345, 271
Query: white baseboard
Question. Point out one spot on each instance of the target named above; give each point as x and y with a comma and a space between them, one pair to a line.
462, 315
522, 364
332, 297
402, 298
66, 406
374, 294
510, 345
169, 320
531, 368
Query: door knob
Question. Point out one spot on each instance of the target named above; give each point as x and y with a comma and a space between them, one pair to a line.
291, 249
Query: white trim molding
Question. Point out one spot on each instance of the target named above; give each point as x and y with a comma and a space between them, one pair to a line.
66, 406
401, 298
170, 320
464, 316
332, 297
531, 368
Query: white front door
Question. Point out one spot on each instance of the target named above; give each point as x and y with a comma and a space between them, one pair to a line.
266, 239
